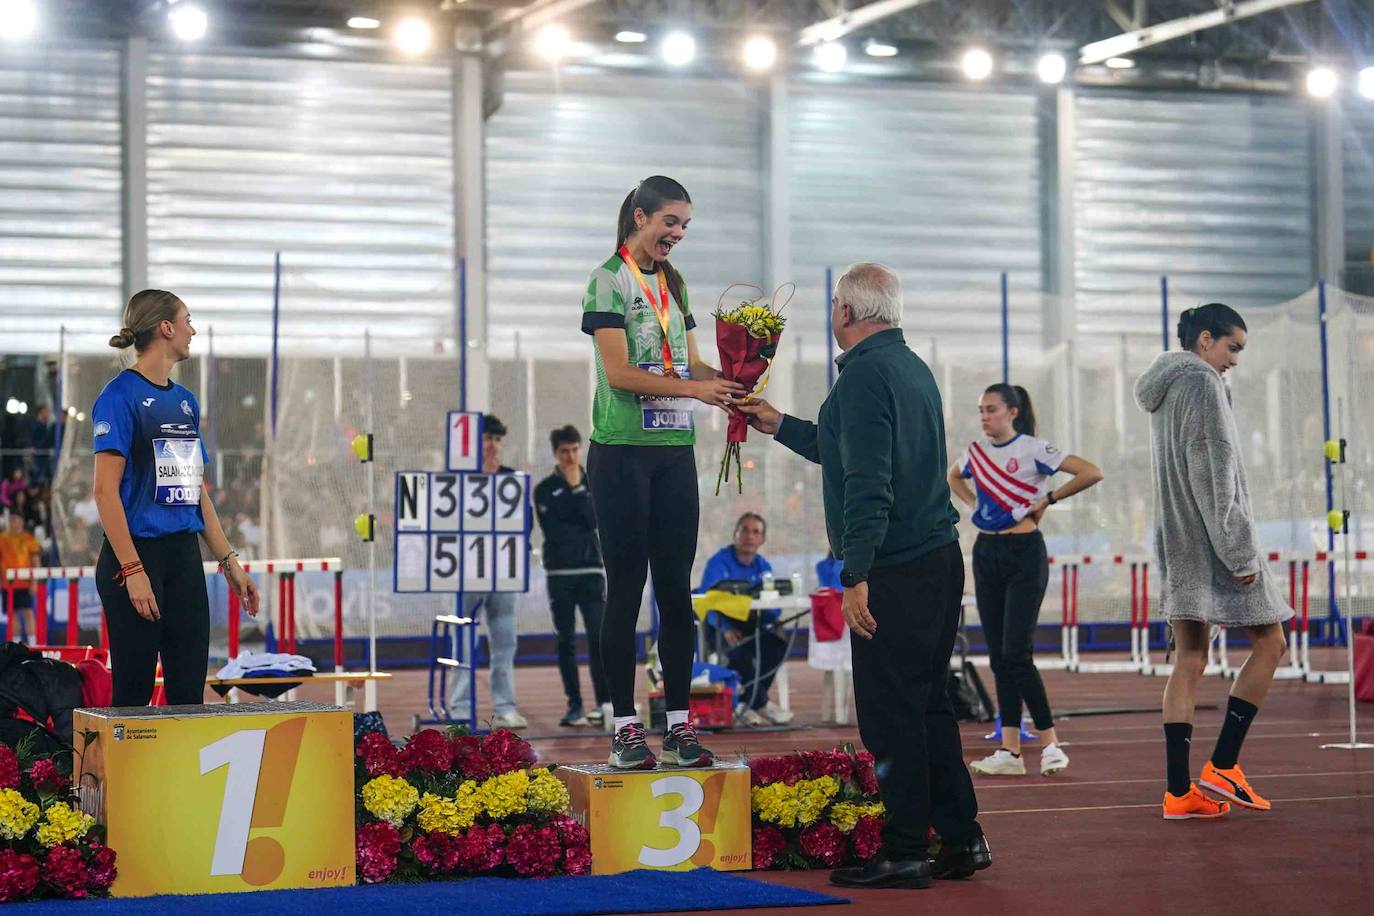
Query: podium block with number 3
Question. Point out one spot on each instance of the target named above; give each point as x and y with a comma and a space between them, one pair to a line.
669, 819
215, 798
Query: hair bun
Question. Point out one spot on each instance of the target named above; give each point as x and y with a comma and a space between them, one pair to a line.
122, 340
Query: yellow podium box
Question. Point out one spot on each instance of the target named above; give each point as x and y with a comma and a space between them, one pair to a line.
669, 819
215, 798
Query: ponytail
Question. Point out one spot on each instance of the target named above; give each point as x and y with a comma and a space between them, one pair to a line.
1214, 318
143, 315
650, 195
1018, 398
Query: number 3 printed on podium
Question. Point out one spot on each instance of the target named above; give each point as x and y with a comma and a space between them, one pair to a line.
698, 800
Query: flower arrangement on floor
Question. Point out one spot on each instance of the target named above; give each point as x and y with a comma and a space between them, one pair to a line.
449, 804
48, 846
815, 809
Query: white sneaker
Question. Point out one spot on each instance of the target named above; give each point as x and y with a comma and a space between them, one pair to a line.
776, 714
748, 718
1053, 760
511, 720
1002, 763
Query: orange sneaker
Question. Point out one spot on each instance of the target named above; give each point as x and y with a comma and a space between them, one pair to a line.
1233, 785
1192, 804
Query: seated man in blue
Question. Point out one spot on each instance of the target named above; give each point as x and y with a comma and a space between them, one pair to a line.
748, 657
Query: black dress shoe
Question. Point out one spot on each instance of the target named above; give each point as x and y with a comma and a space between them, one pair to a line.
961, 858
882, 872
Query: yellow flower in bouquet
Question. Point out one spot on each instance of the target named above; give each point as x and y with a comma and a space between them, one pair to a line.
812, 797
759, 320
776, 803
17, 814
63, 824
390, 798
846, 815
547, 794
504, 795
448, 815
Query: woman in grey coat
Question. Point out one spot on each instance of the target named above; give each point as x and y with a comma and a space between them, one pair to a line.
1214, 570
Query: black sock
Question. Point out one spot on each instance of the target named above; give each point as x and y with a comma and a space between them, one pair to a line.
1239, 714
1178, 736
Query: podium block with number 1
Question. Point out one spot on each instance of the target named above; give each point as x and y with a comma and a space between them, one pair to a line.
215, 798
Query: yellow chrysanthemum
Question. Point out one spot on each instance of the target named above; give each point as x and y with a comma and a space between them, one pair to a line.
390, 798
776, 803
448, 815
812, 797
547, 794
844, 815
504, 795
17, 815
62, 824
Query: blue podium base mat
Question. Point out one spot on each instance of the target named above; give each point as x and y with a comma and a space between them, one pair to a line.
632, 892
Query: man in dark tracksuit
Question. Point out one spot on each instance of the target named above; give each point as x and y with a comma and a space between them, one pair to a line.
880, 441
572, 563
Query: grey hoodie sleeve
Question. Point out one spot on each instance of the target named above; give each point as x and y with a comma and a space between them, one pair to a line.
1212, 477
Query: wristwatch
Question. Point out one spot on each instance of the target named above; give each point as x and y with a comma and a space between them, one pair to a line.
850, 579
1049, 498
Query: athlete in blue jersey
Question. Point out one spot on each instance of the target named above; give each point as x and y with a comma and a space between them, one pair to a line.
149, 476
1011, 469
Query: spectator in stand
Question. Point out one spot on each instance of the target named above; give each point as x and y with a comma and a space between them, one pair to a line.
19, 550
42, 439
14, 484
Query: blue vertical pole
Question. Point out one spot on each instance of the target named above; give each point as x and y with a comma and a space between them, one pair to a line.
276, 320
1164, 310
462, 334
1333, 610
1006, 333
829, 330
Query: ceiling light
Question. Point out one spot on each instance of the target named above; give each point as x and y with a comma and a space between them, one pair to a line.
1119, 63
552, 42
880, 49
760, 53
413, 35
18, 18
1321, 82
1364, 82
631, 38
364, 22
831, 56
678, 49
1052, 68
977, 64
189, 23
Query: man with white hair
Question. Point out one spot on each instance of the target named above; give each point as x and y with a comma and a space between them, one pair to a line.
880, 442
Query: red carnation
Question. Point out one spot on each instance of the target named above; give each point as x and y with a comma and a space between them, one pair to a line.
380, 756
507, 752
827, 763
9, 768
866, 773
570, 831
825, 843
65, 871
45, 776
577, 860
378, 844
428, 751
466, 754
768, 842
102, 865
481, 849
534, 850
18, 870
765, 771
867, 837
435, 851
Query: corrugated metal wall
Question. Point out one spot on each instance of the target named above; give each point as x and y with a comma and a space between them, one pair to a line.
1213, 190
59, 193
562, 153
1359, 198
343, 167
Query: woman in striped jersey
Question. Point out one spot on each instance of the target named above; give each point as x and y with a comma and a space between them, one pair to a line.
1010, 469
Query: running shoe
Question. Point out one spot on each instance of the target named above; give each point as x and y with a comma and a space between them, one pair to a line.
682, 748
629, 750
574, 718
1231, 784
1192, 804
512, 720
1002, 763
595, 716
748, 718
1053, 760
776, 714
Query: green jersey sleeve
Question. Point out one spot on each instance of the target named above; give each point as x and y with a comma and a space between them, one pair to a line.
602, 304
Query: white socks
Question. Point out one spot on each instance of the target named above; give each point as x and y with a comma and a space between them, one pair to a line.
622, 721
677, 717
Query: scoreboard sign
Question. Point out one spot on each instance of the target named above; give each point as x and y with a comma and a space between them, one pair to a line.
460, 530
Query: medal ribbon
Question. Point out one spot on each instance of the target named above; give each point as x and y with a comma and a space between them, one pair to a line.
662, 305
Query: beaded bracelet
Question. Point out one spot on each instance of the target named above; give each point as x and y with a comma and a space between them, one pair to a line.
127, 570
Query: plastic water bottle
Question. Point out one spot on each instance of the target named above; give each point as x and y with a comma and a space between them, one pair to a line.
768, 585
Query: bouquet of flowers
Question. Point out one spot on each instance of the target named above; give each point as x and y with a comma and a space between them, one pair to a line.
451, 804
815, 809
49, 847
747, 338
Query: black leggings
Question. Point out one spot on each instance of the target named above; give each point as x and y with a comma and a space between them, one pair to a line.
647, 512
1010, 572
181, 636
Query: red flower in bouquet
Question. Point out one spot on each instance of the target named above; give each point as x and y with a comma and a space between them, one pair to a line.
427, 751
481, 848
865, 773
827, 763
45, 777
867, 837
825, 843
18, 871
764, 771
507, 752
9, 768
746, 338
466, 753
436, 851
64, 870
768, 842
577, 860
534, 850
102, 866
380, 756
577, 853
378, 844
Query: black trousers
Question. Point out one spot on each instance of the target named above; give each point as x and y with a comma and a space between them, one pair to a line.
1010, 573
181, 636
768, 649
566, 595
906, 720
647, 511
